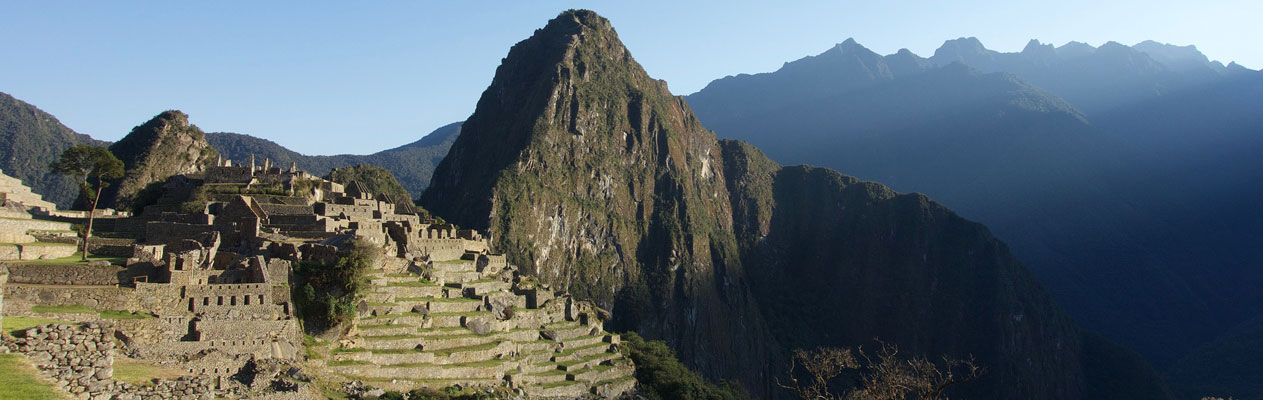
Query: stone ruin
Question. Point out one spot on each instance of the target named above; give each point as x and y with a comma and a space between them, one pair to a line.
211, 260
80, 360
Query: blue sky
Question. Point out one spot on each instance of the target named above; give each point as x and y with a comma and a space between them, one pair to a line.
386, 73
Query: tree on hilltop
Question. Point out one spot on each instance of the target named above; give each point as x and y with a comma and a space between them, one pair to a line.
93, 166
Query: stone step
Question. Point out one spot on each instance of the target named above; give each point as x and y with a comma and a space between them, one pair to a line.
383, 357
588, 362
379, 297
535, 378
540, 346
564, 332
396, 342
451, 277
414, 319
582, 341
459, 355
386, 330
481, 287
462, 340
24, 225
411, 291
491, 369
444, 320
453, 266
444, 305
600, 373
578, 353
614, 388
467, 339
563, 389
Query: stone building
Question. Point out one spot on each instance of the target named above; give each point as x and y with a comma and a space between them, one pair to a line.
212, 264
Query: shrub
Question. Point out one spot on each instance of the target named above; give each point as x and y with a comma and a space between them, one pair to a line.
662, 376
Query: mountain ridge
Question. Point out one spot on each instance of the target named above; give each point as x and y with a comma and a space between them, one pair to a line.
593, 175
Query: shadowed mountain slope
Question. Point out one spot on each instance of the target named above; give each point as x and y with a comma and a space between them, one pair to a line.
589, 172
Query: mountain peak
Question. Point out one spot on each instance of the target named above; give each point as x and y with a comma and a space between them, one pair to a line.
1035, 47
966, 50
1180, 58
1075, 49
850, 45
166, 145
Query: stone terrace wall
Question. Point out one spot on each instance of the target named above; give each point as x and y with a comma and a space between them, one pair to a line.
68, 275
21, 298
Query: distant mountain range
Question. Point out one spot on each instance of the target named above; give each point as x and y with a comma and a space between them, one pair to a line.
588, 172
30, 139
1126, 177
412, 163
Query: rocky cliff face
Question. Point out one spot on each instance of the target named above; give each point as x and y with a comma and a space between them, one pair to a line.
586, 170
166, 145
589, 172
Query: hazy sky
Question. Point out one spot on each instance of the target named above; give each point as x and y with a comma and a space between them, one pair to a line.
359, 77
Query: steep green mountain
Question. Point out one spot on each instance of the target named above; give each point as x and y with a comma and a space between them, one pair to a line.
412, 164
584, 169
166, 145
30, 139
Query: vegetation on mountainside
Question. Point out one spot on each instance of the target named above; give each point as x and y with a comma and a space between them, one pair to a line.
92, 167
583, 167
29, 137
325, 294
412, 164
164, 146
880, 375
662, 376
375, 179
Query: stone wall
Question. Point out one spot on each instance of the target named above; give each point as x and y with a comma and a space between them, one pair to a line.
21, 298
68, 275
80, 360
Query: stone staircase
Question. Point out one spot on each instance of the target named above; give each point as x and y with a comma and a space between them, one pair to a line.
12, 189
21, 236
436, 325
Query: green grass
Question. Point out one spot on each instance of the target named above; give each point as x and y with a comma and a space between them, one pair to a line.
105, 314
390, 337
439, 299
474, 364
551, 385
464, 349
572, 350
591, 357
389, 316
141, 373
348, 363
16, 324
19, 380
460, 314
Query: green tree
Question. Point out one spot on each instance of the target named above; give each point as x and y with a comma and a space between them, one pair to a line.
92, 166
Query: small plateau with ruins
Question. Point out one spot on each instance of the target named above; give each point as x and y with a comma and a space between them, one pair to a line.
197, 297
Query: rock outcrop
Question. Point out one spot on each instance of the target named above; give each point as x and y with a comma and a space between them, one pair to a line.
589, 173
167, 145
